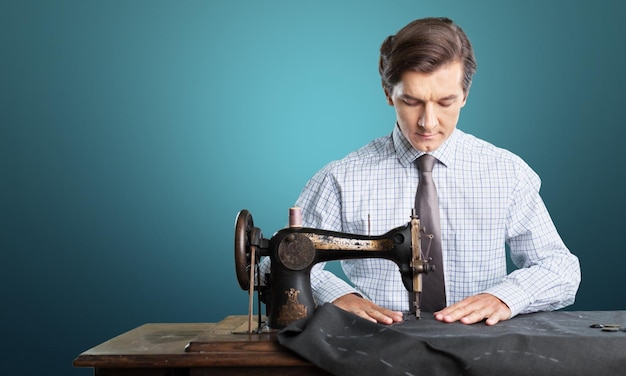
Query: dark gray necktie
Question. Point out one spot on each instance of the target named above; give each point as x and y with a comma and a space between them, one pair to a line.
433, 296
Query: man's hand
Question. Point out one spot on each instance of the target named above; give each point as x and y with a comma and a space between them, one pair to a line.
474, 309
368, 310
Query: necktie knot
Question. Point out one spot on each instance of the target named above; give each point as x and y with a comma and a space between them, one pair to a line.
426, 162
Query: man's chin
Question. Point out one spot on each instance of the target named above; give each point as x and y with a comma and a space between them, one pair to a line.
426, 147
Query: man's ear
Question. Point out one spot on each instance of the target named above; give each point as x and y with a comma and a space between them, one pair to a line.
465, 98
388, 96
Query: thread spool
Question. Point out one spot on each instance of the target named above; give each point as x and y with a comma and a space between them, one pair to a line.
295, 217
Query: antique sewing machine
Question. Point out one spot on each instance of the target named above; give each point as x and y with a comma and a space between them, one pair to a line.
294, 250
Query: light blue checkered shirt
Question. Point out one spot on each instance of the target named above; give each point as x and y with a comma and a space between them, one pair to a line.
487, 197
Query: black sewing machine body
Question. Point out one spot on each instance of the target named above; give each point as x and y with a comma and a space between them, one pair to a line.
293, 251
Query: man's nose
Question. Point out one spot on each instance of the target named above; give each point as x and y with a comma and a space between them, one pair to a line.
428, 121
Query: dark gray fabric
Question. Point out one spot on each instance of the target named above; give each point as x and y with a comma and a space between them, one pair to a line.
547, 343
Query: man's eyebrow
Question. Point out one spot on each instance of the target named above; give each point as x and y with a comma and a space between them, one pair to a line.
447, 98
410, 97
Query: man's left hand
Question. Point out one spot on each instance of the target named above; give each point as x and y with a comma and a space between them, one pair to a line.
475, 309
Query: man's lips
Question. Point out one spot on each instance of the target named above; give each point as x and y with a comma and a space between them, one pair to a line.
427, 136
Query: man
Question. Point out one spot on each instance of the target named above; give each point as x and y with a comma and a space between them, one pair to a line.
488, 197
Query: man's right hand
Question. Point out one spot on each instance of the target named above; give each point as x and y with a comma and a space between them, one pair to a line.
368, 310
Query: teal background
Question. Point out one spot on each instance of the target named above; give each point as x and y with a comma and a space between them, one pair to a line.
132, 132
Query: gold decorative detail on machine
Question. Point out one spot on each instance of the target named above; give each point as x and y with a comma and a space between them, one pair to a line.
292, 310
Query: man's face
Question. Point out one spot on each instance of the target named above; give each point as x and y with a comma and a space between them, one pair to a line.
428, 105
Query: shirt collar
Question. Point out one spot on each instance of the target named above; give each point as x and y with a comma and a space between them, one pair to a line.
407, 154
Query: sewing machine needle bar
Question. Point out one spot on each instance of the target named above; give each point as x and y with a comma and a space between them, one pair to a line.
418, 313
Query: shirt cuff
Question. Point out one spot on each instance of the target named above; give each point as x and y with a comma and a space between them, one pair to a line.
512, 295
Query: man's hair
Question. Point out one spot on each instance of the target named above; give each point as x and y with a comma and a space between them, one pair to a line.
425, 45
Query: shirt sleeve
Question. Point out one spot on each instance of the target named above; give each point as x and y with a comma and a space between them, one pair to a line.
548, 275
320, 201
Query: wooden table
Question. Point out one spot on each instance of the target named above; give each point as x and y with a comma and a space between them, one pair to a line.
195, 349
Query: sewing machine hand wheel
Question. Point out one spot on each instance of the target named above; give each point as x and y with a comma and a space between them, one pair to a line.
246, 237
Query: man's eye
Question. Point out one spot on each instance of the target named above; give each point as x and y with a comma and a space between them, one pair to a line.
410, 102
446, 103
